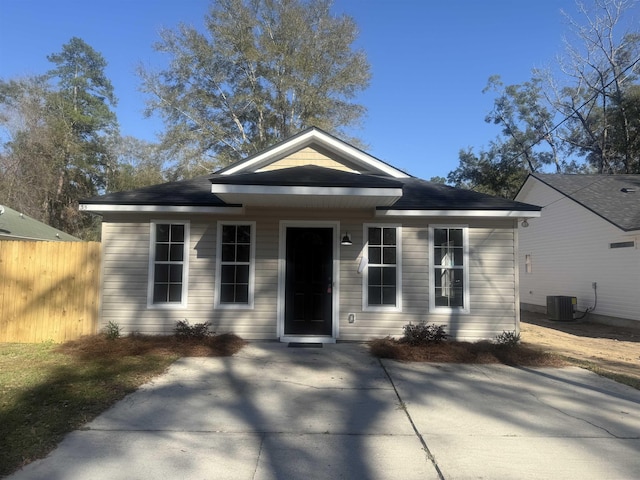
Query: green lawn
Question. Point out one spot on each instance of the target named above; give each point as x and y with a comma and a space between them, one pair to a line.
45, 393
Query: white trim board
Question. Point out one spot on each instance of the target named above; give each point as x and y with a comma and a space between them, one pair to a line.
457, 213
84, 207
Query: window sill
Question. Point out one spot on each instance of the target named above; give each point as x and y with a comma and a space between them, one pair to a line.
166, 306
449, 311
233, 306
382, 309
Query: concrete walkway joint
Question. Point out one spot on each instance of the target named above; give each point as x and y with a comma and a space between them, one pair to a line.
272, 412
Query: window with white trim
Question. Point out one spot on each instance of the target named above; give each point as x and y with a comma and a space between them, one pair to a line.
168, 265
235, 265
449, 268
382, 282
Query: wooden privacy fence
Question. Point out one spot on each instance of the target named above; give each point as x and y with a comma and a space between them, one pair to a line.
49, 291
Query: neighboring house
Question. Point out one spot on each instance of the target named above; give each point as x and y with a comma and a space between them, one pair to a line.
18, 226
588, 233
311, 240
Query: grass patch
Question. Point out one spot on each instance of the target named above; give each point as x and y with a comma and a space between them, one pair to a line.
603, 372
464, 352
49, 390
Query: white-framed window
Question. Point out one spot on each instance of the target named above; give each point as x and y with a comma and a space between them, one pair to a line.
235, 265
168, 264
382, 279
449, 268
528, 265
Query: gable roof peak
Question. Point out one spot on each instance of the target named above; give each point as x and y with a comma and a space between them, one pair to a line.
314, 136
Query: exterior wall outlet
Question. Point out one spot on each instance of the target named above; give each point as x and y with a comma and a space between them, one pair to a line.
351, 318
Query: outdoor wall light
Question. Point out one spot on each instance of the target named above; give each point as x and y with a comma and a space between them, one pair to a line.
346, 239
524, 223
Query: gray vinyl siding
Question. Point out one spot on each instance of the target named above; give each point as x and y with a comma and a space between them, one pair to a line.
492, 289
569, 248
492, 276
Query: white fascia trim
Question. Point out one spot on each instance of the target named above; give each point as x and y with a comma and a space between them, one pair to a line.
363, 157
326, 141
159, 209
301, 190
272, 152
457, 213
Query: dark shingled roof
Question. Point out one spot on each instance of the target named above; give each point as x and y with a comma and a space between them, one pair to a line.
308, 176
193, 192
417, 194
602, 194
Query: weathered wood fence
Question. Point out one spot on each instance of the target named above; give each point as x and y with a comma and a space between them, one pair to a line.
49, 291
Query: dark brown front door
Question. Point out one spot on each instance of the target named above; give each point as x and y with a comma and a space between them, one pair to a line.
309, 281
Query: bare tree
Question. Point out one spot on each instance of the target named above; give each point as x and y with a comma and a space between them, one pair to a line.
602, 63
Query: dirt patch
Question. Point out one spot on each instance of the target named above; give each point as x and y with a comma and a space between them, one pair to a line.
612, 349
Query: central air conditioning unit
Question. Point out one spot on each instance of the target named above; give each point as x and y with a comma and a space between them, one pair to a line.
561, 308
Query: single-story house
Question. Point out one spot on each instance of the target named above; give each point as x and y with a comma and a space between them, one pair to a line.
310, 240
585, 245
18, 226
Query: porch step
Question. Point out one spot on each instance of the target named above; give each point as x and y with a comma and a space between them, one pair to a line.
304, 345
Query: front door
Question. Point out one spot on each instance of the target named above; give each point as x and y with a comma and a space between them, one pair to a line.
308, 281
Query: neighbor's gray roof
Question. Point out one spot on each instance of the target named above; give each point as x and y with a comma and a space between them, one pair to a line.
417, 194
601, 194
17, 226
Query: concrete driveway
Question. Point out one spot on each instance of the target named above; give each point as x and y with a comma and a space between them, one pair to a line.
273, 412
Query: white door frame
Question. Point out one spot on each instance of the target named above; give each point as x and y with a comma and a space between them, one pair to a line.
282, 270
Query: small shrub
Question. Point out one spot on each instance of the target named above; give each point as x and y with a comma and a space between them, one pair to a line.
508, 339
423, 334
198, 330
112, 330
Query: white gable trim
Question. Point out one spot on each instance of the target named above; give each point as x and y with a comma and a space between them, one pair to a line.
456, 213
324, 140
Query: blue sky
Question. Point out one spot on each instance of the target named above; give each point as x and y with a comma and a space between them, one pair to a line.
430, 61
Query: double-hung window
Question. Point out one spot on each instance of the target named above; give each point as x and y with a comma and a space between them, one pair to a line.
235, 265
382, 279
168, 264
449, 268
